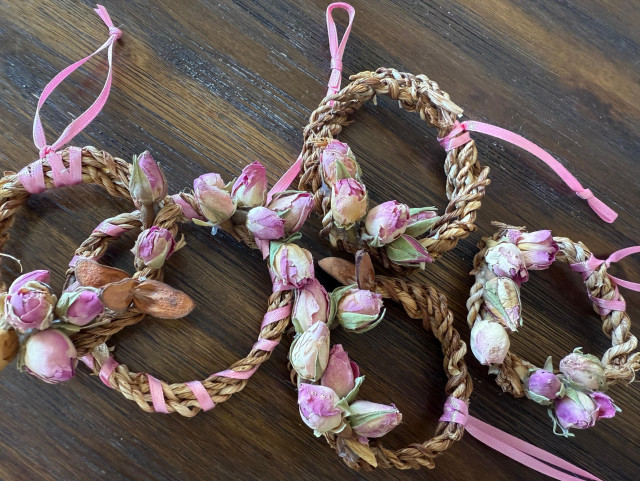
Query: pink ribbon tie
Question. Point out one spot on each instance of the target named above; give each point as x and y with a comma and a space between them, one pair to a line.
459, 135
201, 395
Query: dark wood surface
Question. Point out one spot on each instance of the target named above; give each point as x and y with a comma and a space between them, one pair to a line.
211, 86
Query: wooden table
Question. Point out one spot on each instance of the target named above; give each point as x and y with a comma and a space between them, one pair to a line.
211, 86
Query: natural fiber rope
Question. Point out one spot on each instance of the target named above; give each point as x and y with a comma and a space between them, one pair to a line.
466, 178
620, 360
427, 304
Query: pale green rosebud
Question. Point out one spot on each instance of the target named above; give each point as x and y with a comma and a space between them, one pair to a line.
584, 369
421, 219
309, 353
407, 251
502, 302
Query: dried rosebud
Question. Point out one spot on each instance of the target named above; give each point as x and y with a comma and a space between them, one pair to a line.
294, 209
311, 306
80, 307
420, 221
604, 404
147, 184
489, 342
348, 202
538, 248
341, 373
290, 266
407, 251
372, 420
575, 410
386, 222
250, 189
213, 198
544, 386
358, 310
337, 158
29, 302
502, 302
309, 351
318, 407
154, 246
265, 224
584, 369
506, 260
50, 355
9, 345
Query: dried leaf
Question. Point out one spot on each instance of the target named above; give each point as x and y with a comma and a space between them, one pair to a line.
161, 300
362, 451
340, 269
90, 273
365, 273
117, 296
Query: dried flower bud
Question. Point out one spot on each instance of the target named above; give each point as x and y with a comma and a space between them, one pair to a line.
337, 156
584, 369
290, 266
154, 246
505, 260
489, 342
213, 198
604, 404
357, 310
29, 302
502, 302
538, 248
318, 408
311, 306
341, 373
575, 410
386, 222
294, 209
407, 251
250, 189
309, 353
420, 221
147, 184
265, 224
50, 355
544, 386
80, 307
372, 420
348, 202
9, 345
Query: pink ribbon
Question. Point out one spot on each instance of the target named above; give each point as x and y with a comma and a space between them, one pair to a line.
157, 395
460, 136
535, 458
107, 369
337, 52
201, 394
32, 176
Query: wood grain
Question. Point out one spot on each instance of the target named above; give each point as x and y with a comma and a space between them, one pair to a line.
210, 86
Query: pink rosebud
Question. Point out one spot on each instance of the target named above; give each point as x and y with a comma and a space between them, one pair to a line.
506, 260
584, 369
576, 410
80, 307
318, 407
372, 420
213, 198
420, 221
29, 303
358, 310
386, 222
51, 356
154, 246
294, 209
250, 189
311, 306
147, 184
309, 351
265, 224
543, 386
337, 152
407, 251
489, 342
538, 248
604, 404
291, 267
341, 372
348, 202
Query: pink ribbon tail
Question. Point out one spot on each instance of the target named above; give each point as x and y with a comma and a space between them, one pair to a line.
285, 181
459, 135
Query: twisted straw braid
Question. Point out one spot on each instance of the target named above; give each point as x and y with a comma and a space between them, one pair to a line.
620, 360
466, 178
425, 303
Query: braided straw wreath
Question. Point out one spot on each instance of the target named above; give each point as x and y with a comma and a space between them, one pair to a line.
574, 396
391, 233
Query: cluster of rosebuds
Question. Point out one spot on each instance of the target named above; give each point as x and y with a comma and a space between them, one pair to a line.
574, 395
390, 225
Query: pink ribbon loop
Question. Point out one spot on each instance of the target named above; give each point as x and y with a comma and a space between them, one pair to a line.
454, 139
157, 395
535, 458
337, 49
201, 395
107, 369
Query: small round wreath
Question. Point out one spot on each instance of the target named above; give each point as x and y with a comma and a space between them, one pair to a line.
575, 395
328, 381
391, 233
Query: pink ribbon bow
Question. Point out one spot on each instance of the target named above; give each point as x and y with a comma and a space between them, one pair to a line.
32, 176
459, 135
